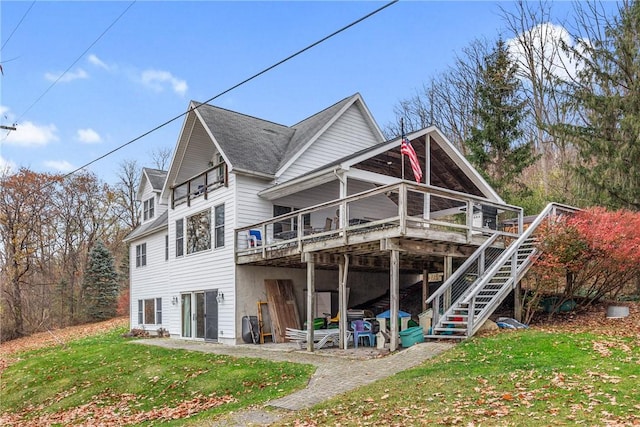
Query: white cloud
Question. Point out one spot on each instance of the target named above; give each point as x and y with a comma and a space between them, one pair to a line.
59, 165
3, 110
94, 60
88, 136
546, 40
158, 79
68, 76
6, 165
29, 134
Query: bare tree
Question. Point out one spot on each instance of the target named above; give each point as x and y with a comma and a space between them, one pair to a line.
126, 188
536, 45
161, 157
447, 101
24, 202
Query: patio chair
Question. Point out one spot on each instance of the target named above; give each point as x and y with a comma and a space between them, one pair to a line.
363, 329
255, 238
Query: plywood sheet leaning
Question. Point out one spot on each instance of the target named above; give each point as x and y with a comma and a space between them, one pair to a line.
282, 308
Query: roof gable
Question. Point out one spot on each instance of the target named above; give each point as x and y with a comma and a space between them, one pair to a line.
310, 129
155, 178
448, 168
452, 169
256, 146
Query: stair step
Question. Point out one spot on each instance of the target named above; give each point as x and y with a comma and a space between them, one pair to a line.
486, 294
447, 337
453, 322
451, 330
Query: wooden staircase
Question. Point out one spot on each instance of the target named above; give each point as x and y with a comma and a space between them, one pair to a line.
467, 299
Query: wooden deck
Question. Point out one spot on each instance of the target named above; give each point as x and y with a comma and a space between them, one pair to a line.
424, 223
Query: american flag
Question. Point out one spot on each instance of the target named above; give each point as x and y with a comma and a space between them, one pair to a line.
407, 149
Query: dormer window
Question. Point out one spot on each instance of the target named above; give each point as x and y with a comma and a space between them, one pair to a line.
148, 207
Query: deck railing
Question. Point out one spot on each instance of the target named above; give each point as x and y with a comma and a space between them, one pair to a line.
406, 206
200, 185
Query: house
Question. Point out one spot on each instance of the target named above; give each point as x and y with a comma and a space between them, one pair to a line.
321, 204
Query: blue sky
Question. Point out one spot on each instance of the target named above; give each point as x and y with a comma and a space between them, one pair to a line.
159, 55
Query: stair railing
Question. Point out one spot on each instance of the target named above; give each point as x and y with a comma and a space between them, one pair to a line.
454, 287
510, 254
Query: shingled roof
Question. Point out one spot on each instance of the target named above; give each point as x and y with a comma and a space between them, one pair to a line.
156, 178
258, 145
157, 224
248, 142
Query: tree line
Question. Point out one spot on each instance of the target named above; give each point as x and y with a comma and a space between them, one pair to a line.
546, 112
61, 249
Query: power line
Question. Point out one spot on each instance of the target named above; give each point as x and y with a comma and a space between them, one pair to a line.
248, 79
76, 61
18, 25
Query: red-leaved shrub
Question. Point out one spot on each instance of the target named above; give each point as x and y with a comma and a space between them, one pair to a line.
591, 255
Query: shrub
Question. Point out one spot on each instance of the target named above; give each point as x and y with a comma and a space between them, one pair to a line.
589, 256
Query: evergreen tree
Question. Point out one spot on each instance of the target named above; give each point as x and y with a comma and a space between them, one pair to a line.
606, 100
100, 284
495, 147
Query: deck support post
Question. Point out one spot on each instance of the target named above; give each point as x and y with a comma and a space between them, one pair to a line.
343, 270
425, 288
311, 293
448, 271
517, 302
394, 291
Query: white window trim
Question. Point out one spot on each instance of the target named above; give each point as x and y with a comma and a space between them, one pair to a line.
157, 311
141, 255
181, 238
216, 226
148, 209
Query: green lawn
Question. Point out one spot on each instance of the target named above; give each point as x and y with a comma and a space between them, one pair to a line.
522, 378
105, 376
526, 378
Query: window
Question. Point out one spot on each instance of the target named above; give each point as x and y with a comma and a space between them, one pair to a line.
199, 232
219, 225
147, 211
166, 247
141, 255
291, 223
150, 311
158, 310
179, 237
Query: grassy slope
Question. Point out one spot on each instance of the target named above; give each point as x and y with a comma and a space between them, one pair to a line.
549, 375
104, 374
521, 378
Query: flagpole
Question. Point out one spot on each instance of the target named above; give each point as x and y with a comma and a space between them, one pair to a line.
401, 142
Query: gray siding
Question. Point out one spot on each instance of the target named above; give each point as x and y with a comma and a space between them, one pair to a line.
350, 133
